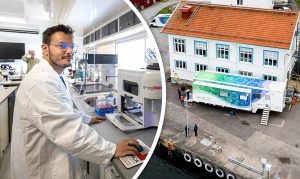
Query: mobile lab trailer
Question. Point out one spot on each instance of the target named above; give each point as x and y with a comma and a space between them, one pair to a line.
239, 92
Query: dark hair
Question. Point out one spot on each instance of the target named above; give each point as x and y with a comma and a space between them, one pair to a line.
58, 28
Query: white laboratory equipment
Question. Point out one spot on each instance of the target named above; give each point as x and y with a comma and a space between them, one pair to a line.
139, 99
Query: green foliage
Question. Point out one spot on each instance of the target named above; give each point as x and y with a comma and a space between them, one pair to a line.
298, 3
167, 10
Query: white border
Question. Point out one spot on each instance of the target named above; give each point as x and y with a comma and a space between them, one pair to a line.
163, 83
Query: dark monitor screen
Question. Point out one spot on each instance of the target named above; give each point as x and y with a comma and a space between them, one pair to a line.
11, 50
131, 87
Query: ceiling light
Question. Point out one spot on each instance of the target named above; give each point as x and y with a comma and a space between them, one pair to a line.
12, 19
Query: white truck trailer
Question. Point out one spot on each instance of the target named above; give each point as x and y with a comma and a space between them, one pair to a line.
239, 92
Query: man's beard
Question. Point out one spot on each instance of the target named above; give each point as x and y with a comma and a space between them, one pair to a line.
56, 61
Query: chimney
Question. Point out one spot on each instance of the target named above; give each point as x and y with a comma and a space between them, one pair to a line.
186, 11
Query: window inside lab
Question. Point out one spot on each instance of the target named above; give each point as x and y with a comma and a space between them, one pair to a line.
131, 87
131, 54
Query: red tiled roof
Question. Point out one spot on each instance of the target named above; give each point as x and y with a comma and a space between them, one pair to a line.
263, 27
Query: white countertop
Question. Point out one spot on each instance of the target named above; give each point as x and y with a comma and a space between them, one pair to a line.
111, 133
11, 83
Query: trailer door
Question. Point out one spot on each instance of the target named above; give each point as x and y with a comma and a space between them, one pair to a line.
267, 101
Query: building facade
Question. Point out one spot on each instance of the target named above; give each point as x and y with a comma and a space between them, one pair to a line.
268, 4
238, 40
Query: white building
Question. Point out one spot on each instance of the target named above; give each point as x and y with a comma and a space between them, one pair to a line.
268, 4
247, 41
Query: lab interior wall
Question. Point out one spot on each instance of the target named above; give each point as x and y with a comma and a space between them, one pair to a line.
32, 42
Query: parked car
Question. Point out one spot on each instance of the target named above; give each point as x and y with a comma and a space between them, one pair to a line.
160, 20
284, 8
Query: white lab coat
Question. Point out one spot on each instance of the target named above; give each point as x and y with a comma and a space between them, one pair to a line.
48, 135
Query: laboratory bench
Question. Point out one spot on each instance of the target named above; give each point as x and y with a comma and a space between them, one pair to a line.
11, 83
111, 133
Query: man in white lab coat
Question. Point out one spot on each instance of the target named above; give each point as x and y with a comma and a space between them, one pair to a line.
48, 135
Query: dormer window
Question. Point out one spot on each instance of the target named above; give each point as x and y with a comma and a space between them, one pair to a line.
239, 2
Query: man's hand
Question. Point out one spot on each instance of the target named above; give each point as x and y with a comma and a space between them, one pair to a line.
125, 148
96, 119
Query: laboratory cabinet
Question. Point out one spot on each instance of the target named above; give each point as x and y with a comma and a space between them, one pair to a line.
105, 31
98, 34
88, 39
113, 27
126, 20
136, 20
92, 37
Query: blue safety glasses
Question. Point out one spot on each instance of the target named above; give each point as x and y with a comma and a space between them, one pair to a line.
64, 45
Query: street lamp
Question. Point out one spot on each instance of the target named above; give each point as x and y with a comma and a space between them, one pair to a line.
187, 117
186, 100
265, 167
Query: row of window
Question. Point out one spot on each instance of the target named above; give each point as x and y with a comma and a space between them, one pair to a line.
201, 67
222, 52
226, 94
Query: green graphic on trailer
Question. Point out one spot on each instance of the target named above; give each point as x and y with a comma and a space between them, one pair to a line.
230, 96
228, 78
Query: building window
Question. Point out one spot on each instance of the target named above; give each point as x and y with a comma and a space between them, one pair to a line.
180, 64
239, 2
200, 48
270, 78
223, 70
246, 73
179, 45
246, 54
200, 67
223, 51
270, 58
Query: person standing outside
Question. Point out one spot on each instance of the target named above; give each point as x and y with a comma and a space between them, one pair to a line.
196, 130
186, 131
30, 59
182, 100
49, 135
179, 93
175, 77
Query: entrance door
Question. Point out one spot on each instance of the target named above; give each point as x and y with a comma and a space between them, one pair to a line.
268, 101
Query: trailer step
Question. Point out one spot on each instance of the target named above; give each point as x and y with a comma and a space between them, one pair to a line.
265, 116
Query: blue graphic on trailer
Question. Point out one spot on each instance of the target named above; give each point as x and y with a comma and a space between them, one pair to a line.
236, 98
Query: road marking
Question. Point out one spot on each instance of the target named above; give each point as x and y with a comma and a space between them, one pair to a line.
278, 125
